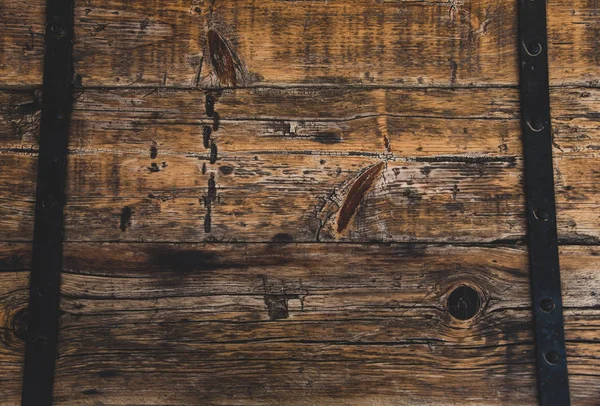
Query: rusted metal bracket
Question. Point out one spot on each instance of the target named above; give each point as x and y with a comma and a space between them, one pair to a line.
42, 328
552, 375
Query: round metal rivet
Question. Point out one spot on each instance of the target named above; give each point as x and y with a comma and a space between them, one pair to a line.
58, 30
535, 125
533, 49
552, 357
547, 305
541, 214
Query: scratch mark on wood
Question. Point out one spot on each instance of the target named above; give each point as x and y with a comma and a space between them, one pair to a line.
198, 73
356, 194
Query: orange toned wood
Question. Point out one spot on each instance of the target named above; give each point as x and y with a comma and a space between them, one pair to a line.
22, 42
289, 191
333, 43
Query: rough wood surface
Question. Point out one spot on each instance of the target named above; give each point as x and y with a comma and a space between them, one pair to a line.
19, 127
22, 42
271, 162
398, 43
311, 324
338, 122
15, 260
365, 42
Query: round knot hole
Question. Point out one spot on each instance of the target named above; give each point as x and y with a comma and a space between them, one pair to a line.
464, 302
19, 324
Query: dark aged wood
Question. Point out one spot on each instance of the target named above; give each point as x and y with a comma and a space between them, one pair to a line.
362, 324
340, 126
15, 263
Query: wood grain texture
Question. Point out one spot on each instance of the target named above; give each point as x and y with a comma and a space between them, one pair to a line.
15, 260
291, 175
310, 324
573, 31
285, 160
397, 43
364, 121
369, 43
19, 128
22, 42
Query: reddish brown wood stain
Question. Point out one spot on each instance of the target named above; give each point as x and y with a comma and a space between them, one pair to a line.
224, 61
357, 192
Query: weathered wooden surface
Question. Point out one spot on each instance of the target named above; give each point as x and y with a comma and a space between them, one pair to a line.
21, 42
311, 324
19, 127
350, 124
15, 259
366, 42
286, 161
399, 43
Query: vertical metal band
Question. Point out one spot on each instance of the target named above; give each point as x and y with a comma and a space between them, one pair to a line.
552, 376
42, 328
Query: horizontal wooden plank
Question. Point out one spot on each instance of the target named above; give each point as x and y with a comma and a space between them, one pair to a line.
166, 43
391, 43
334, 323
22, 42
15, 263
252, 165
286, 161
317, 139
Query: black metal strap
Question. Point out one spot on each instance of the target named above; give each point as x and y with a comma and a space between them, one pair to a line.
42, 329
552, 375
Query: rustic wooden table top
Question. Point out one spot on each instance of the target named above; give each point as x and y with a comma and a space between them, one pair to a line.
272, 202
